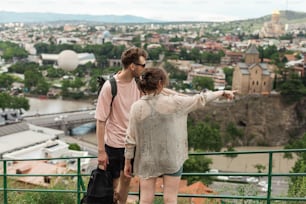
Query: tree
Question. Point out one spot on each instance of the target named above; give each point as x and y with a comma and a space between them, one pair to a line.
42, 87
260, 168
297, 184
4, 101
13, 102
204, 136
228, 75
74, 146
6, 81
31, 78
136, 41
184, 54
200, 83
197, 164
292, 90
154, 53
230, 156
232, 133
11, 50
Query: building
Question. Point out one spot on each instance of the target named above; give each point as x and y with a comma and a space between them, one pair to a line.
273, 28
232, 58
26, 141
50, 149
22, 135
252, 76
215, 73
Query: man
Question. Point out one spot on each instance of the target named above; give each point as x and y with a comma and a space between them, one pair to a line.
112, 120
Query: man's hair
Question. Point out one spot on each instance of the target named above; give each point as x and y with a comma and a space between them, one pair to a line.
132, 55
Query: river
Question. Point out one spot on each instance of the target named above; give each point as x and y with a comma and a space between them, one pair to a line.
47, 106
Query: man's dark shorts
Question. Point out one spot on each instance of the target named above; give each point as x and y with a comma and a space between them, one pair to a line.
116, 160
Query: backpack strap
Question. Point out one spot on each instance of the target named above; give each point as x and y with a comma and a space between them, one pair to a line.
113, 83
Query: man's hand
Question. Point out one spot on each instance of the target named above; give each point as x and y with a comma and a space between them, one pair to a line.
102, 160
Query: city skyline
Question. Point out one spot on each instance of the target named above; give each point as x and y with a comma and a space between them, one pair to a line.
166, 10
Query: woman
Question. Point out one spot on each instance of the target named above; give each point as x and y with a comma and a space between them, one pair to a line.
157, 134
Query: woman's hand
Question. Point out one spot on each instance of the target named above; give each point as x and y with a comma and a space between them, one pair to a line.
229, 94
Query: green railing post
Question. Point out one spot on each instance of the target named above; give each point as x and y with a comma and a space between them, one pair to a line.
4, 182
269, 177
79, 181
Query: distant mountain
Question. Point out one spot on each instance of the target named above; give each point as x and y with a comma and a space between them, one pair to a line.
34, 17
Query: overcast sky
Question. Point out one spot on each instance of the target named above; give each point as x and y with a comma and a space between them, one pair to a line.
169, 10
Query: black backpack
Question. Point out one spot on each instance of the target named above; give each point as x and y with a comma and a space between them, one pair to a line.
100, 188
113, 83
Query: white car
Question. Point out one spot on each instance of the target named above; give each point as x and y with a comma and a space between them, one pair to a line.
252, 180
222, 178
262, 183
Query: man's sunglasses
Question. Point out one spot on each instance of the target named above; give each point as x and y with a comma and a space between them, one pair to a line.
143, 65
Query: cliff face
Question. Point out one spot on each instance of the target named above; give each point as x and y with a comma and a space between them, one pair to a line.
264, 120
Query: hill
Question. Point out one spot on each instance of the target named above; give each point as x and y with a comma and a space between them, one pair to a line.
286, 16
34, 17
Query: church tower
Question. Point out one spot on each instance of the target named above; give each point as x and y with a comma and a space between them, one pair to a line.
252, 55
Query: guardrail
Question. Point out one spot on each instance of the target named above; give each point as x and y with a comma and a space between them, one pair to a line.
80, 187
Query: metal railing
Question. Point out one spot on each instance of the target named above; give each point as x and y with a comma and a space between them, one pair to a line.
80, 187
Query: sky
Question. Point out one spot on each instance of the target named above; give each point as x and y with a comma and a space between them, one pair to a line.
165, 10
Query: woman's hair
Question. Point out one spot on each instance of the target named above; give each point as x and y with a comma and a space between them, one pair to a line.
132, 55
149, 79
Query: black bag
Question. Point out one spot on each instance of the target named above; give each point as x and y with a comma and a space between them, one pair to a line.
100, 188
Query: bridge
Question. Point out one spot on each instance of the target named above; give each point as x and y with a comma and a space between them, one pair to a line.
62, 121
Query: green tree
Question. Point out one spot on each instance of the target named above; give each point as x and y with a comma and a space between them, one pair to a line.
230, 156
6, 81
74, 146
260, 168
204, 136
42, 87
196, 164
200, 83
13, 102
232, 133
292, 90
228, 75
174, 72
21, 67
4, 101
154, 53
11, 50
31, 78
136, 41
297, 184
